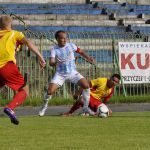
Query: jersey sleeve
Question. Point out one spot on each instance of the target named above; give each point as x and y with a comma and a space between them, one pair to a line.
106, 99
52, 53
19, 36
94, 82
74, 47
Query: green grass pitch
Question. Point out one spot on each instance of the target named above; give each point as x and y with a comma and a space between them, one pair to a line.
122, 131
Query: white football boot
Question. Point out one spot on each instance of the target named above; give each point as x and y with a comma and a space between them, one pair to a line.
45, 105
87, 112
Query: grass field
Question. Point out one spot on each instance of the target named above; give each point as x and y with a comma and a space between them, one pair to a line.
122, 131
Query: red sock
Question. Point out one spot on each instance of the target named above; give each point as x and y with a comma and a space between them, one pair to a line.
18, 99
76, 106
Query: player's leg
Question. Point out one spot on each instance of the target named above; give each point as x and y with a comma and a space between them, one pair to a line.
94, 103
56, 82
78, 79
15, 81
17, 100
92, 106
76, 105
47, 96
1, 83
83, 83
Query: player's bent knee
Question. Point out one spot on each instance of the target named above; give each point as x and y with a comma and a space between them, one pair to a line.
83, 83
51, 92
52, 88
85, 86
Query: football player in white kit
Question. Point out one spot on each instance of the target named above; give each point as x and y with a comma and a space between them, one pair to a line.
62, 56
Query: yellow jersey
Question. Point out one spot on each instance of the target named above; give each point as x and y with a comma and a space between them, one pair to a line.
99, 88
8, 41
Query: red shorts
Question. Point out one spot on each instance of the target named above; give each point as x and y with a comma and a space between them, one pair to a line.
94, 103
10, 76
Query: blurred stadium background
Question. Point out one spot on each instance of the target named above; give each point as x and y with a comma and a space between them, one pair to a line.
94, 25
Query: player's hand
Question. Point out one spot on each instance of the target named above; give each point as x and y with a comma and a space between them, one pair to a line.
110, 112
42, 62
91, 60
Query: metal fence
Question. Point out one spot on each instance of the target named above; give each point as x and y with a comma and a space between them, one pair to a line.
102, 46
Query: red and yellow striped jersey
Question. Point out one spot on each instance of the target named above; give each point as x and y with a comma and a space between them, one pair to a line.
99, 88
8, 40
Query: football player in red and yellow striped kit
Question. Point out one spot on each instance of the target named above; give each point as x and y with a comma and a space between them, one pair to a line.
101, 90
9, 73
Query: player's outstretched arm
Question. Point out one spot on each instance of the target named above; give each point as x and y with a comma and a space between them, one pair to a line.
35, 50
87, 57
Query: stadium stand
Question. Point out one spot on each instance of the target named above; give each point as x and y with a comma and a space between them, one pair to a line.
98, 15
110, 16
92, 25
45, 1
143, 2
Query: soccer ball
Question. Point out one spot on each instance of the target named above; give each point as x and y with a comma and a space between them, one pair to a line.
103, 111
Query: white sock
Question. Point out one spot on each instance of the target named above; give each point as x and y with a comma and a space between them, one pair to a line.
47, 97
86, 98
45, 105
46, 100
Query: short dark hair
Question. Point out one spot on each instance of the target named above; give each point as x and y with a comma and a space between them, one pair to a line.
115, 75
57, 33
5, 21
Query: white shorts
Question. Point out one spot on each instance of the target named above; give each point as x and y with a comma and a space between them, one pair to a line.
73, 77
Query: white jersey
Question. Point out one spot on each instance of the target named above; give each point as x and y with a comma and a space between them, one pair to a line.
64, 58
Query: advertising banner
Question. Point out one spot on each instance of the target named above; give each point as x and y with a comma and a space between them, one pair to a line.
134, 61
